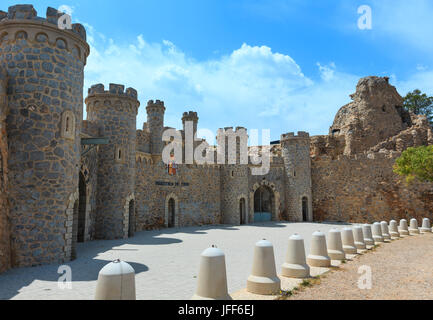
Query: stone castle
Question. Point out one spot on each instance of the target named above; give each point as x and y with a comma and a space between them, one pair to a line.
65, 180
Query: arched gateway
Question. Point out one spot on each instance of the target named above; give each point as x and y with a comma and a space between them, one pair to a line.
264, 202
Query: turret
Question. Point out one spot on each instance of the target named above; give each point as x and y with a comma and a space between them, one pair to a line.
296, 155
116, 111
45, 65
234, 176
192, 117
155, 123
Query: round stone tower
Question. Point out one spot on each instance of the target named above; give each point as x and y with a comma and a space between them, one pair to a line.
45, 66
297, 162
116, 112
155, 123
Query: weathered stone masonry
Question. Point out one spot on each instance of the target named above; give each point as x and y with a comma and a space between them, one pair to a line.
61, 183
5, 245
115, 111
45, 69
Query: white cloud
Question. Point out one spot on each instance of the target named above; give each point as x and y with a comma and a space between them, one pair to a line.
252, 87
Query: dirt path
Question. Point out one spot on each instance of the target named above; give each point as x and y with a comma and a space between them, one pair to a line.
401, 270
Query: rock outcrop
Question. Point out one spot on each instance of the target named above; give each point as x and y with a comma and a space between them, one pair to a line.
375, 115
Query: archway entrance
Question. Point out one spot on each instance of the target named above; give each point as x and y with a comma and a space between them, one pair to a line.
82, 209
171, 213
75, 230
263, 204
305, 209
131, 224
242, 211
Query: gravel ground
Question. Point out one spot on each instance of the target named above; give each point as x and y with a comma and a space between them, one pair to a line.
401, 270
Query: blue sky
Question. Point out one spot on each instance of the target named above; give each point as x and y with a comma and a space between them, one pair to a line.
267, 64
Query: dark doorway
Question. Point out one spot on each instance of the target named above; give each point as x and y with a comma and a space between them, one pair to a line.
82, 209
74, 231
171, 213
131, 225
242, 211
305, 209
263, 202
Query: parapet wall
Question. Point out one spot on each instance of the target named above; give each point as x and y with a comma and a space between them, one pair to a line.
363, 188
22, 23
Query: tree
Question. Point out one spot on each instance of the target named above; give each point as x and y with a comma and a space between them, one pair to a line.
419, 103
416, 163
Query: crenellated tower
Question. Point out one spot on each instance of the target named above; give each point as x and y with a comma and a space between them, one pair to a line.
234, 176
155, 124
45, 66
116, 111
192, 117
297, 162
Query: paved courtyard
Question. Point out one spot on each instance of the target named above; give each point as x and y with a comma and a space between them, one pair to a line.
166, 262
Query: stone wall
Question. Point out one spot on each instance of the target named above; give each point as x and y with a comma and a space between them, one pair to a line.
195, 189
276, 181
5, 245
363, 188
45, 96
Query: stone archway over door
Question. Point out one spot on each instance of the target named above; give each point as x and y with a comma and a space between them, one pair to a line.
172, 211
243, 210
266, 200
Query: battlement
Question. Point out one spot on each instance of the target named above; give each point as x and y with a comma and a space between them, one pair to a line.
114, 89
27, 12
158, 103
230, 130
191, 115
292, 136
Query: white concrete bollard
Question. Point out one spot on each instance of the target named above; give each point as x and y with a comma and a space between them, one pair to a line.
393, 230
377, 233
212, 277
368, 235
348, 241
335, 245
413, 229
295, 265
358, 236
116, 281
426, 226
319, 252
403, 228
263, 279
385, 230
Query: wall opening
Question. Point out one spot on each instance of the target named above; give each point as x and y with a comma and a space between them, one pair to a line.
242, 211
131, 225
171, 213
263, 204
305, 209
75, 230
81, 231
